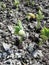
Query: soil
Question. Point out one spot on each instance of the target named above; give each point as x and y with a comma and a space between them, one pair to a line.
28, 52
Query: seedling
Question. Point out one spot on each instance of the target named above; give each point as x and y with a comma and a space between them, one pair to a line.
19, 29
30, 15
44, 34
33, 3
39, 17
16, 3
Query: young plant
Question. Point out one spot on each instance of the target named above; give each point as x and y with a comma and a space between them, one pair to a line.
33, 3
19, 29
44, 34
29, 2
39, 17
16, 3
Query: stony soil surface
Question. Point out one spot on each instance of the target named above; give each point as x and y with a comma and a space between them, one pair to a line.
28, 52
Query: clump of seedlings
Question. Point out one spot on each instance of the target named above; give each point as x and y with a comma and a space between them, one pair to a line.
16, 3
39, 17
19, 29
44, 34
30, 15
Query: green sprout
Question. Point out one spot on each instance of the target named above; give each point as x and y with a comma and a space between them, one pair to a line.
44, 34
33, 3
19, 29
39, 17
16, 3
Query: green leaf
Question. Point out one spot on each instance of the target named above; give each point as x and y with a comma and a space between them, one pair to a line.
39, 12
16, 3
16, 29
39, 16
20, 24
45, 32
44, 37
33, 3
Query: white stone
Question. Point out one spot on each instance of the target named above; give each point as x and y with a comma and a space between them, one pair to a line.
10, 27
6, 46
38, 52
18, 55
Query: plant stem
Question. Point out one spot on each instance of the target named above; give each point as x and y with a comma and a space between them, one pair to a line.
38, 24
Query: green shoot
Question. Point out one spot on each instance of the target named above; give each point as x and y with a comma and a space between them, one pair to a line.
39, 17
44, 34
16, 3
19, 29
33, 3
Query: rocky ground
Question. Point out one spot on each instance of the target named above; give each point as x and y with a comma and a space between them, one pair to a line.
28, 52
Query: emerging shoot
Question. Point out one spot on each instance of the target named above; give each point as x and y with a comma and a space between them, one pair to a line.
19, 29
39, 17
44, 35
16, 3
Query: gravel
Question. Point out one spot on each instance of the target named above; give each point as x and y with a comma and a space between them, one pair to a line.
28, 52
